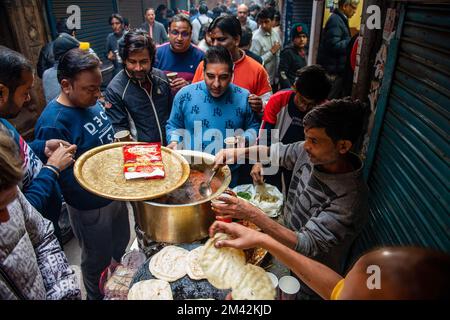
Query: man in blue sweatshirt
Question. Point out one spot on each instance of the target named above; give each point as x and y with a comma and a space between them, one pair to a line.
214, 105
100, 225
40, 182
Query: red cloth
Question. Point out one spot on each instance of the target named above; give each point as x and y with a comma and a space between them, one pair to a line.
353, 54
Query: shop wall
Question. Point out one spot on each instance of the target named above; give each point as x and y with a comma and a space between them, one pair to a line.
406, 149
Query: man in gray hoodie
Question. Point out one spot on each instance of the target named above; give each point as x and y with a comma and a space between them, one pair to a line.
326, 206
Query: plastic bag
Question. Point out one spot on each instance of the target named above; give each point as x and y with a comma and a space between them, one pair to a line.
272, 209
116, 278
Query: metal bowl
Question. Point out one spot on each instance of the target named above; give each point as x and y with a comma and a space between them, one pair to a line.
181, 223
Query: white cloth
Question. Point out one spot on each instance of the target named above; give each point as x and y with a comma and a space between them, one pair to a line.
262, 42
197, 25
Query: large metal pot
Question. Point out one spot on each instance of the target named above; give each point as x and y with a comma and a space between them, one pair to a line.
181, 223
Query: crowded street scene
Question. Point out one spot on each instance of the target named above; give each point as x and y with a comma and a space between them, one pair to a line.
224, 150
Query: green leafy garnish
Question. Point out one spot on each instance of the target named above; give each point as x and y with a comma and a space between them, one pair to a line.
244, 195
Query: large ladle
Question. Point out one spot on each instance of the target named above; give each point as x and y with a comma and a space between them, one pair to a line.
205, 187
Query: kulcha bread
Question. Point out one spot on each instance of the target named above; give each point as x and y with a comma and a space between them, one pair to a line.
253, 284
226, 268
221, 266
153, 289
193, 268
169, 264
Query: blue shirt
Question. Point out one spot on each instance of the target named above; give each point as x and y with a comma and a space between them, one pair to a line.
185, 63
87, 128
196, 111
39, 184
50, 83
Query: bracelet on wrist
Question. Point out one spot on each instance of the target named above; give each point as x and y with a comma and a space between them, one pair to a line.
54, 169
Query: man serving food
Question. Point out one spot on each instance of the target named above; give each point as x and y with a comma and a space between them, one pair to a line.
326, 205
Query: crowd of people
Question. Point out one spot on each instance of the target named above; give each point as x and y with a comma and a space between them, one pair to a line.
188, 82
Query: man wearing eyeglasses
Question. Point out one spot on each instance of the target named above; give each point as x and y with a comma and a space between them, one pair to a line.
179, 57
334, 45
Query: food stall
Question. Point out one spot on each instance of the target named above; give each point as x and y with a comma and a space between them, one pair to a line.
170, 213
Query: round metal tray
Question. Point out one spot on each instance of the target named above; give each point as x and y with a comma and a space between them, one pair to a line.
100, 171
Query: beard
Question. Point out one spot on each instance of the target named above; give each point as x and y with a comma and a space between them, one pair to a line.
10, 110
138, 76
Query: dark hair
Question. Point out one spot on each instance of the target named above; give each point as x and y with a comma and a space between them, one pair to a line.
126, 22
160, 8
170, 13
216, 12
149, 8
136, 40
270, 3
75, 61
180, 17
312, 82
116, 16
246, 37
193, 11
12, 64
266, 13
203, 9
342, 119
61, 27
224, 8
254, 7
227, 24
218, 54
277, 16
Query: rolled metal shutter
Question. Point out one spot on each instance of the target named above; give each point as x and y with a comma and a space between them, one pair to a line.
409, 179
296, 11
94, 20
133, 11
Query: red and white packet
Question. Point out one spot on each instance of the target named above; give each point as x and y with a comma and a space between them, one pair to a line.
143, 161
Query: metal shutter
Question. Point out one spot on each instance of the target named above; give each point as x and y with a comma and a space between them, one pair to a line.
94, 20
296, 11
133, 11
409, 180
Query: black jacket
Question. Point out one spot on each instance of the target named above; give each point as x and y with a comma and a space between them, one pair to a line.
333, 47
290, 62
133, 108
254, 56
46, 59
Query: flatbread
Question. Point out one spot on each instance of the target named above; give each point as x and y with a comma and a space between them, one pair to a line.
221, 266
193, 268
169, 264
253, 284
153, 289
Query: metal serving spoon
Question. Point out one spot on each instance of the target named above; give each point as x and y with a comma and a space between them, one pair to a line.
205, 187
